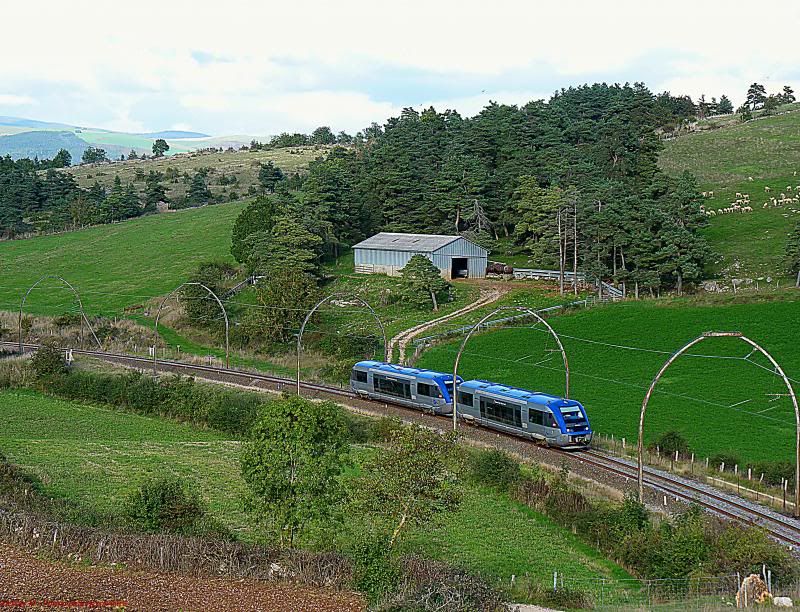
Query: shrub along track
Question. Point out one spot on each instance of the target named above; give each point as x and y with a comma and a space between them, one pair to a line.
663, 491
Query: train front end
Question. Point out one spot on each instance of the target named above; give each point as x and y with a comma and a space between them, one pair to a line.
576, 432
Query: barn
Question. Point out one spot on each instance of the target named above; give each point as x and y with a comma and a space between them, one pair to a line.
388, 253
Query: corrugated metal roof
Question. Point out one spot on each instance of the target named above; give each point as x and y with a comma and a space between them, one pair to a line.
423, 243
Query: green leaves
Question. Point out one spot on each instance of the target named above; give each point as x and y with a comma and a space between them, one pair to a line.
411, 481
292, 463
423, 282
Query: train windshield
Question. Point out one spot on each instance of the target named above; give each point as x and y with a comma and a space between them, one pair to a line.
574, 419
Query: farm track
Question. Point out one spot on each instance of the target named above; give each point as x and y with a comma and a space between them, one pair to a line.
592, 465
402, 339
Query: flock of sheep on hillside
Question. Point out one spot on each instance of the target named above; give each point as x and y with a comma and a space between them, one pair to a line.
743, 205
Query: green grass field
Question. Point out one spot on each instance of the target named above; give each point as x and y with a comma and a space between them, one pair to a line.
497, 538
768, 151
718, 404
95, 456
114, 266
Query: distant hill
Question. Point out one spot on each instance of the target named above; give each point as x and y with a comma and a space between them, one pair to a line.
32, 123
46, 144
175, 134
760, 158
51, 137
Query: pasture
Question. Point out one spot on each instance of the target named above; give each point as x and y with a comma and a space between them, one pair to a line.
117, 265
94, 456
719, 404
766, 150
243, 166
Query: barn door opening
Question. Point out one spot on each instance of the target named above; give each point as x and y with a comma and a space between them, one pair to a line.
459, 268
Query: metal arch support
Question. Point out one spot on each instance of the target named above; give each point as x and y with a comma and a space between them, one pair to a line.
477, 326
224, 314
314, 309
778, 369
74, 292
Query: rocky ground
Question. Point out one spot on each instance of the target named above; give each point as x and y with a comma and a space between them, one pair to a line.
36, 584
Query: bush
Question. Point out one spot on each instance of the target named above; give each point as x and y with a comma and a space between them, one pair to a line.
164, 503
669, 442
775, 472
494, 468
375, 572
728, 458
48, 360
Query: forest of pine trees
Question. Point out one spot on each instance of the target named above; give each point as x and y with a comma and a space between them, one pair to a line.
586, 160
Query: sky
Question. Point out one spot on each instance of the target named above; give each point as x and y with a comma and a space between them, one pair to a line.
259, 67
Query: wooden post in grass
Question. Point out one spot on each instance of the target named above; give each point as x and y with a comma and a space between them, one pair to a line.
778, 371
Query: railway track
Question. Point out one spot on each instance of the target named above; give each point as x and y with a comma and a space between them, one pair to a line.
784, 529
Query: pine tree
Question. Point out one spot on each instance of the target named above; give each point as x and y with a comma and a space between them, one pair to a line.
756, 96
725, 105
423, 282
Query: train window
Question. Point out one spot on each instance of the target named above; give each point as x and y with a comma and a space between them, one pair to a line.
390, 386
536, 416
465, 398
510, 414
359, 376
428, 390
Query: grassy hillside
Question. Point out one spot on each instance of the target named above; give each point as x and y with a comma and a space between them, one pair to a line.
117, 265
95, 456
241, 165
718, 404
767, 150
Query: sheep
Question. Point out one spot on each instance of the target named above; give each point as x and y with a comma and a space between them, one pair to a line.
720, 211
750, 178
746, 196
710, 194
765, 204
783, 195
767, 189
788, 187
711, 213
747, 209
704, 194
738, 195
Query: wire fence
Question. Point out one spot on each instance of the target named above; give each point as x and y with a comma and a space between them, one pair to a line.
696, 593
743, 480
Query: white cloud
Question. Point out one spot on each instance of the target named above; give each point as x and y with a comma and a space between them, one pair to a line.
15, 100
248, 65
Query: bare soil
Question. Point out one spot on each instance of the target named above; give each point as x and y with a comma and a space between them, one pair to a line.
37, 584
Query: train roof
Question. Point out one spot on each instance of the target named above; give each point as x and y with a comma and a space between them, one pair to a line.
391, 368
510, 392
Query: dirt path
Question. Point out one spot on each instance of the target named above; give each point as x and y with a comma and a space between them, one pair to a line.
401, 340
52, 585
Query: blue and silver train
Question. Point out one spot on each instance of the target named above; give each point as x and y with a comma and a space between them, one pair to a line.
530, 414
539, 416
412, 387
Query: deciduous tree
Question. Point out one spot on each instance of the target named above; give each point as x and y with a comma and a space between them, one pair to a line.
409, 482
160, 146
292, 463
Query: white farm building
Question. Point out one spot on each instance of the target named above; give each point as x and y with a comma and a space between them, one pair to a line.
388, 253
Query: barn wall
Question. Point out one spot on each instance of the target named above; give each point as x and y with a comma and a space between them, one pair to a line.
385, 261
